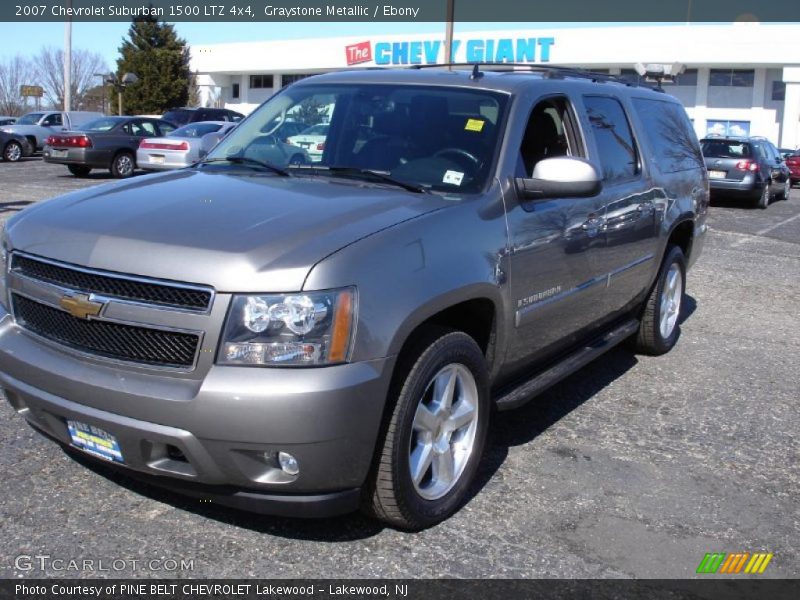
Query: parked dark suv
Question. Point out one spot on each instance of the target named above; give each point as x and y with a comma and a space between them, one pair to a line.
307, 339
748, 168
184, 116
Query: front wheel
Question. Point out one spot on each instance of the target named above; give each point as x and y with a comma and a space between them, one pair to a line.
123, 165
13, 151
659, 328
436, 434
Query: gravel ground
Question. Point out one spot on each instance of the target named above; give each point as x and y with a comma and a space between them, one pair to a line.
633, 467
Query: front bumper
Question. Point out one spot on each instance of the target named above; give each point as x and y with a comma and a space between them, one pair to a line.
217, 437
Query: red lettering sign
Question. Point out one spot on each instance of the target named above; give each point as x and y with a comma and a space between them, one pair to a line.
358, 53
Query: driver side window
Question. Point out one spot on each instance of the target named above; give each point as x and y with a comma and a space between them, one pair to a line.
53, 121
547, 135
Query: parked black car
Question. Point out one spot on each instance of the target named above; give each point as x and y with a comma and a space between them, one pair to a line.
184, 116
14, 146
749, 168
107, 143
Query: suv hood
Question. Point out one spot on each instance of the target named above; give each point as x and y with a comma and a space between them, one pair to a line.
236, 231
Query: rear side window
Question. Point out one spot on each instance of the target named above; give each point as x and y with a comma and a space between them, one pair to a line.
612, 133
726, 149
669, 134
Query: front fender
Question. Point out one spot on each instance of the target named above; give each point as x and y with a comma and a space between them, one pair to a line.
408, 273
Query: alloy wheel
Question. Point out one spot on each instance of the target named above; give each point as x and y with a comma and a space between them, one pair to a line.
671, 297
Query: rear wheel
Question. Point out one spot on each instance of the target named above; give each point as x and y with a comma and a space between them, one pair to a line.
79, 170
787, 189
13, 151
763, 200
436, 434
123, 165
659, 328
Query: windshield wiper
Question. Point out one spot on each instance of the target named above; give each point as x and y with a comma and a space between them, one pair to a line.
245, 160
368, 174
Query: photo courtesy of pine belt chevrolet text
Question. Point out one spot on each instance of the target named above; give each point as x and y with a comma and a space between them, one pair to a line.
315, 332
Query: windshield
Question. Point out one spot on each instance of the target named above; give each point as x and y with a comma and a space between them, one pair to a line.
30, 119
195, 130
99, 125
437, 138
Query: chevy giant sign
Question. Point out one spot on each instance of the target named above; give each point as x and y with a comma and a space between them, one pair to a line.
428, 52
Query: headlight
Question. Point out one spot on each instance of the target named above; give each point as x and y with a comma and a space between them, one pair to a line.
314, 328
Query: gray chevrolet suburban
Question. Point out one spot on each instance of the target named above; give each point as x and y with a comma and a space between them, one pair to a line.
310, 339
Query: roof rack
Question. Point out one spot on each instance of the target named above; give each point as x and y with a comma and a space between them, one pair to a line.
547, 71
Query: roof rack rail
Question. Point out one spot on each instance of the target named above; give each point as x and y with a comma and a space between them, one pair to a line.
548, 71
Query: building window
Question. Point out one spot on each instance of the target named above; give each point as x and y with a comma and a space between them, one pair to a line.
688, 77
728, 128
260, 81
291, 78
235, 91
779, 91
732, 77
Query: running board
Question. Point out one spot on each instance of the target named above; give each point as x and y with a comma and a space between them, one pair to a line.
525, 391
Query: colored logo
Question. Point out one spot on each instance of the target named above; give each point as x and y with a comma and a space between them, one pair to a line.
81, 306
358, 53
736, 562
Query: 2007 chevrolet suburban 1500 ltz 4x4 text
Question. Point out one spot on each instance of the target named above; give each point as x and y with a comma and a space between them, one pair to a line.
307, 339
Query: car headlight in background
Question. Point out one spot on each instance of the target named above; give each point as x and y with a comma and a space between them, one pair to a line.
312, 328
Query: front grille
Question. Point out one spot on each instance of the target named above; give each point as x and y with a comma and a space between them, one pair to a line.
112, 340
114, 287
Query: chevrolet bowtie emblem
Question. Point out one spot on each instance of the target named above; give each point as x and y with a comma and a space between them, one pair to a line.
80, 306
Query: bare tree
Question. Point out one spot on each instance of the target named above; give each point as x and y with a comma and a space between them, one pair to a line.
50, 71
14, 73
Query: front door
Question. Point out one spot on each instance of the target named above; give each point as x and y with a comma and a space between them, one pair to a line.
555, 278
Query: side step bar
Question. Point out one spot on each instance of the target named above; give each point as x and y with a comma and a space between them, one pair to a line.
526, 390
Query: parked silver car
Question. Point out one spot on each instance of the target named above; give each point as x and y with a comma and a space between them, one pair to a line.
181, 148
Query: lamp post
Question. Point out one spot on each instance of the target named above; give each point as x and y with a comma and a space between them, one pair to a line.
102, 77
120, 85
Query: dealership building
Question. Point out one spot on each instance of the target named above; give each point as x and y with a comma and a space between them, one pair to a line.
740, 79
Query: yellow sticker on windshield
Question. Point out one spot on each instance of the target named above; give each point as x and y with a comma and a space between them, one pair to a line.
474, 125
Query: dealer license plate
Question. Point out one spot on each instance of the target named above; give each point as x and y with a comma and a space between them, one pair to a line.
717, 174
58, 153
94, 440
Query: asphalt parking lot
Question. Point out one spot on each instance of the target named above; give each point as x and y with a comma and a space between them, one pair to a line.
633, 467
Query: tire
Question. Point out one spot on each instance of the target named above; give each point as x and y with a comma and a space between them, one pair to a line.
786, 190
123, 165
13, 152
763, 199
297, 160
79, 170
659, 328
422, 430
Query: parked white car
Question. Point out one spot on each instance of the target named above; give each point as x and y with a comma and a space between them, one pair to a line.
312, 140
181, 148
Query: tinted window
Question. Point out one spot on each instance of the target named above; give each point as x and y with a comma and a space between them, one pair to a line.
726, 149
179, 116
612, 133
669, 135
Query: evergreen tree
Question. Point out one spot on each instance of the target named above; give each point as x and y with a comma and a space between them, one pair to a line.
160, 59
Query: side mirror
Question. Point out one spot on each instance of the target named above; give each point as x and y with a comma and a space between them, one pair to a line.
560, 177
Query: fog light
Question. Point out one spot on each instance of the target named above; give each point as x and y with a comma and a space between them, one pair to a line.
288, 463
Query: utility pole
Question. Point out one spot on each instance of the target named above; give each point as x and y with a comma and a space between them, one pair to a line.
448, 34
68, 59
